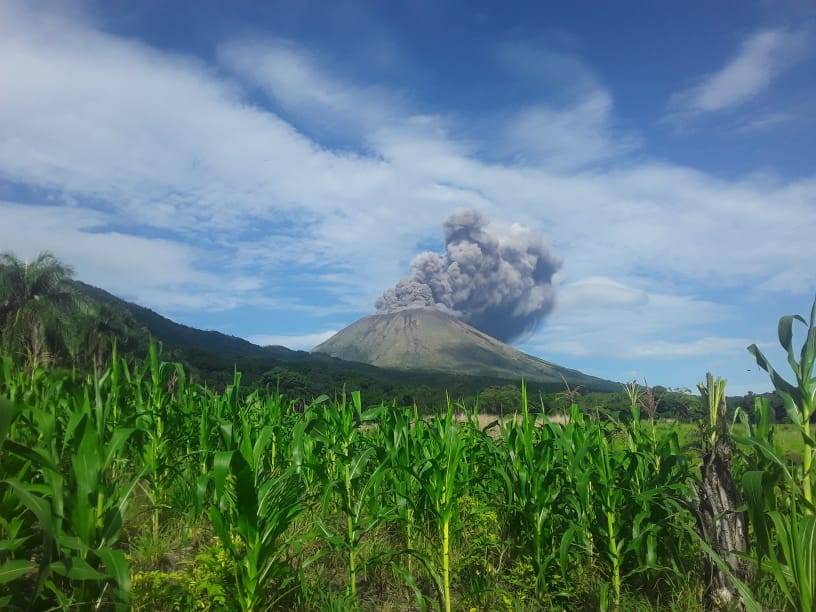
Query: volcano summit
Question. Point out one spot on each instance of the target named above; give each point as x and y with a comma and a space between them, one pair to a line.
429, 339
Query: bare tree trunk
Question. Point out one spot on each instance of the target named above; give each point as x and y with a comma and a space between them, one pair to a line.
721, 524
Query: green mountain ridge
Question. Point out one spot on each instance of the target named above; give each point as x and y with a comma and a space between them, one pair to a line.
176, 335
215, 356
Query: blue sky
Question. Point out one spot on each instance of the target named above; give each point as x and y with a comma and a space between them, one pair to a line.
268, 169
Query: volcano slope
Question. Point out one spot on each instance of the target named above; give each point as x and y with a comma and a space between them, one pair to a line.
428, 339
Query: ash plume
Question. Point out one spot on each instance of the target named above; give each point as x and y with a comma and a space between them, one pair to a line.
500, 284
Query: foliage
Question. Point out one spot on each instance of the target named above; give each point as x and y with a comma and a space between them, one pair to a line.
202, 584
35, 298
334, 502
61, 491
799, 399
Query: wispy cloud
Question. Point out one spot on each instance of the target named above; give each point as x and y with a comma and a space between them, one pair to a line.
569, 137
167, 145
698, 347
567, 118
605, 317
162, 273
297, 80
761, 58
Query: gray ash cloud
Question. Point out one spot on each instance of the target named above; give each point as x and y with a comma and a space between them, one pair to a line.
498, 283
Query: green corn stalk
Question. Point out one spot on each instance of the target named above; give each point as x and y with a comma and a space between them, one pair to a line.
761, 476
800, 399
67, 482
537, 500
713, 394
785, 534
17, 530
252, 510
638, 491
603, 490
402, 433
633, 392
611, 500
351, 476
795, 569
156, 450
442, 476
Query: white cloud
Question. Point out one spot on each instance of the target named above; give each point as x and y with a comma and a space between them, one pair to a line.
761, 58
159, 137
160, 142
305, 342
571, 123
117, 261
761, 122
605, 317
566, 138
155, 272
708, 345
599, 292
173, 146
296, 79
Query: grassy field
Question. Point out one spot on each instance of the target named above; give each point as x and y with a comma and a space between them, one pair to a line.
788, 438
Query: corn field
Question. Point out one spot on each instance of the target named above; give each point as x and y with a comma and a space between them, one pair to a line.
135, 488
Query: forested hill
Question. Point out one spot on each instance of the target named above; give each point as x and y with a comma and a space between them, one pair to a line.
175, 335
214, 357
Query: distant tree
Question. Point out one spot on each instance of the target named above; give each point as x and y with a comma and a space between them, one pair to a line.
295, 385
35, 297
504, 399
678, 404
91, 334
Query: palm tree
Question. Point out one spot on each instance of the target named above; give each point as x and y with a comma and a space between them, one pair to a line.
99, 329
33, 297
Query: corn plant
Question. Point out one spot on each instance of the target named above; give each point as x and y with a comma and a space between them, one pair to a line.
784, 535
785, 539
794, 565
442, 476
252, 510
64, 479
762, 475
280, 479
16, 529
638, 491
633, 393
536, 496
159, 421
611, 498
402, 434
350, 473
660, 478
800, 399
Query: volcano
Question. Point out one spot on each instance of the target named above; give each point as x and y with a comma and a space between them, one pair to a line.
428, 339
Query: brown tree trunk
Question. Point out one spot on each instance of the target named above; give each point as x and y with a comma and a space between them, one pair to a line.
721, 525
38, 349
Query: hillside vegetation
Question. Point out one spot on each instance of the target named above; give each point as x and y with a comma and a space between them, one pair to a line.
48, 317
